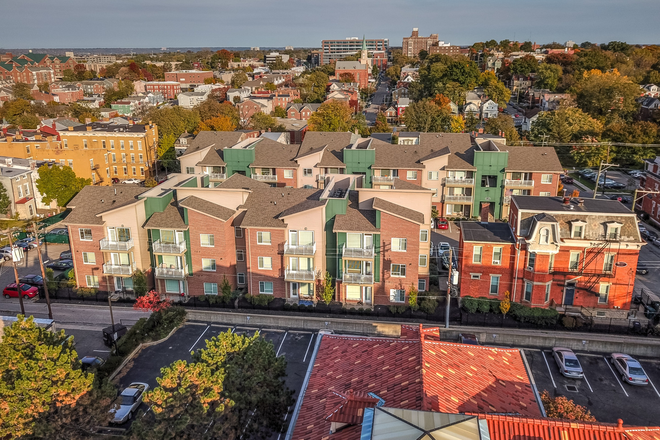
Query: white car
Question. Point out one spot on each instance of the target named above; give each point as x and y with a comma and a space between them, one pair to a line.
443, 247
568, 363
631, 371
131, 181
6, 254
129, 400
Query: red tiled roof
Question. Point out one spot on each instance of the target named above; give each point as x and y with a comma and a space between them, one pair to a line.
348, 407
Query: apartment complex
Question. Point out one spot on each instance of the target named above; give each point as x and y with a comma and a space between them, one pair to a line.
169, 89
188, 77
189, 235
554, 252
336, 50
99, 151
413, 44
33, 68
649, 201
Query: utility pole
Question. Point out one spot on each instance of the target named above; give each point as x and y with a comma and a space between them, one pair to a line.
13, 262
600, 170
451, 272
43, 272
643, 191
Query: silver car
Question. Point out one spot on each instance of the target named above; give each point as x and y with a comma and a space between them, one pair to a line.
568, 363
128, 402
631, 371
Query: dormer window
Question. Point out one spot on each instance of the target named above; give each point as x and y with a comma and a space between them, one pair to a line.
577, 229
613, 230
544, 236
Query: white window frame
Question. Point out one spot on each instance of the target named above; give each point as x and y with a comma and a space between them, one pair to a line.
490, 285
261, 261
240, 279
423, 260
262, 287
607, 257
261, 235
210, 288
604, 297
433, 175
544, 235
531, 291
397, 295
208, 265
477, 254
548, 288
401, 243
546, 179
210, 240
545, 194
92, 281
411, 175
574, 226
498, 262
240, 255
570, 259
424, 235
307, 172
421, 285
82, 234
288, 174
531, 261
397, 273
475, 276
87, 260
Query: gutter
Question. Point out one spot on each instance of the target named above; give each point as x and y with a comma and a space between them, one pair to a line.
533, 382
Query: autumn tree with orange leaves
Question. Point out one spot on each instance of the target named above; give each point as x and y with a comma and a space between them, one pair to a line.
562, 408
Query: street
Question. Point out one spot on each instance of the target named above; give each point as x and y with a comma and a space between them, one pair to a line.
378, 98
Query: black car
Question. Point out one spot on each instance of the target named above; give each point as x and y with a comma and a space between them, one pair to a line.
91, 362
32, 280
445, 261
641, 270
468, 338
566, 179
66, 255
60, 265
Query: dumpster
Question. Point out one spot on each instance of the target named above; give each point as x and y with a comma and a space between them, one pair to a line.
112, 334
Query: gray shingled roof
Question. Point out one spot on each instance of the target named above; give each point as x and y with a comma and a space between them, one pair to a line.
398, 210
265, 206
355, 219
269, 153
239, 181
207, 208
486, 232
94, 200
533, 159
170, 218
221, 139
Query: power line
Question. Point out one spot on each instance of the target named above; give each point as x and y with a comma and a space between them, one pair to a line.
583, 144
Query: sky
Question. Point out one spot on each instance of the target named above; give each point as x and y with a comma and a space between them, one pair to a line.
304, 23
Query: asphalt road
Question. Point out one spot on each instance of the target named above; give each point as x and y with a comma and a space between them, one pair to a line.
378, 99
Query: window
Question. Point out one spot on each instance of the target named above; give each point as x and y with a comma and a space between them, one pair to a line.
424, 235
488, 181
133, 170
547, 291
114, 170
574, 262
85, 234
399, 244
66, 144
240, 255
103, 144
544, 236
85, 143
421, 285
577, 230
20, 191
528, 292
397, 295
288, 174
125, 171
92, 281
210, 289
475, 276
171, 286
141, 171
476, 254
140, 158
544, 193
307, 172
423, 259
263, 237
89, 257
114, 158
608, 264
240, 278
208, 264
266, 287
411, 175
112, 147
353, 293
121, 145
207, 240
613, 232
91, 162
494, 285
398, 270
546, 178
190, 170
132, 158
603, 293
531, 260
238, 232
130, 144
27, 149
265, 263
139, 145
107, 172
433, 175
551, 262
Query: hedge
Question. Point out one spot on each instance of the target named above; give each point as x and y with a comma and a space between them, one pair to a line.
520, 312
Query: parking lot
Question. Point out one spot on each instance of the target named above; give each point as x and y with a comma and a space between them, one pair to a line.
601, 391
296, 346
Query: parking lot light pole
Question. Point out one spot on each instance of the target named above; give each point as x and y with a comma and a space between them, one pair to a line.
18, 284
451, 271
43, 271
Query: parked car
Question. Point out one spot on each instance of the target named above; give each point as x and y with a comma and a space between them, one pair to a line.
115, 180
128, 402
642, 270
631, 371
568, 363
445, 261
60, 231
132, 181
32, 280
64, 276
27, 243
566, 179
468, 338
11, 291
5, 253
91, 362
66, 255
443, 223
443, 247
60, 265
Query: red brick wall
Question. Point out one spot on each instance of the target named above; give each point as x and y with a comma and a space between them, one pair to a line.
240, 243
403, 175
254, 251
481, 287
540, 187
188, 78
292, 113
649, 201
281, 181
79, 246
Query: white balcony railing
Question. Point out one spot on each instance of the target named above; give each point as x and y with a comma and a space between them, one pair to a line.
320, 178
299, 250
217, 176
299, 275
518, 183
169, 248
265, 177
507, 200
107, 245
460, 198
171, 272
457, 181
115, 269
357, 278
383, 179
365, 252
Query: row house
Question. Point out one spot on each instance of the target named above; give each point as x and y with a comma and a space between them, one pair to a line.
99, 86
169, 89
249, 107
554, 252
67, 93
191, 99
648, 200
189, 78
26, 74
188, 237
301, 111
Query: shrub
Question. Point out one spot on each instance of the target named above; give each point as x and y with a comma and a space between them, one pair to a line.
397, 309
203, 298
262, 299
562, 408
412, 297
534, 315
428, 305
86, 291
470, 304
483, 305
495, 306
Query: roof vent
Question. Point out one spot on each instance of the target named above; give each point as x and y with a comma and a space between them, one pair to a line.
567, 201
580, 202
571, 207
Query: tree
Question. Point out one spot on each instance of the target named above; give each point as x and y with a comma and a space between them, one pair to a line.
524, 65
278, 64
210, 109
139, 282
562, 408
495, 89
69, 75
591, 155
5, 202
425, 116
59, 183
471, 123
238, 79
331, 116
375, 71
40, 373
603, 94
270, 87
173, 120
457, 124
279, 112
412, 297
262, 121
640, 132
527, 46
503, 123
313, 86
381, 125
151, 302
393, 72
505, 304
22, 91
326, 289
548, 76
124, 89
219, 123
346, 77
565, 125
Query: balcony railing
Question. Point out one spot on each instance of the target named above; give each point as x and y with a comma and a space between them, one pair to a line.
320, 178
171, 272
265, 177
115, 269
299, 275
507, 200
107, 245
518, 183
457, 181
357, 278
217, 176
169, 248
299, 250
365, 252
383, 179
461, 198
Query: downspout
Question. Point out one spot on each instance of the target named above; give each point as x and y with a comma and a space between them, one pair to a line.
247, 259
515, 280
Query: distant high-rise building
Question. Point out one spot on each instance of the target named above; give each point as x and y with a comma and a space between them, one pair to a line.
288, 48
413, 44
570, 44
336, 50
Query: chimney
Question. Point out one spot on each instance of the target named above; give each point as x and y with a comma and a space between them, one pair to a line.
88, 120
567, 201
70, 128
619, 424
89, 128
580, 202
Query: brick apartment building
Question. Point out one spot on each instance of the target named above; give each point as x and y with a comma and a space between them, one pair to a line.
553, 252
66, 93
301, 111
413, 44
169, 89
649, 202
188, 77
34, 68
442, 48
359, 71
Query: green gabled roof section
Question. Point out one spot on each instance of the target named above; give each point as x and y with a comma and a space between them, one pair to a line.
20, 61
36, 57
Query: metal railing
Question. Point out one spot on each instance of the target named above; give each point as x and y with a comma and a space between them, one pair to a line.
383, 179
299, 275
507, 200
107, 245
169, 248
516, 183
357, 278
265, 177
365, 252
171, 272
462, 198
299, 250
115, 269
217, 176
458, 181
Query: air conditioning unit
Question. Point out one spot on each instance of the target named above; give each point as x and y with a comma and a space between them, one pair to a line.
496, 262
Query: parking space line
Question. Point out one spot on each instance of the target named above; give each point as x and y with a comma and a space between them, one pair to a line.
550, 372
102, 351
273, 330
615, 376
303, 332
285, 416
281, 343
585, 379
654, 388
200, 337
308, 345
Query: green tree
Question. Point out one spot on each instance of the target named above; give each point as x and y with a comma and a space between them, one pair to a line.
139, 283
270, 87
279, 112
503, 123
605, 94
5, 202
412, 297
565, 125
548, 76
124, 89
69, 75
375, 71
425, 116
22, 91
526, 46
326, 289
278, 64
173, 120
262, 121
591, 155
381, 125
594, 59
524, 65
495, 89
471, 123
59, 183
331, 116
313, 87
640, 132
393, 73
238, 79
211, 108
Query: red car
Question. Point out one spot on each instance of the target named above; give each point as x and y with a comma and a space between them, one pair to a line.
12, 292
443, 223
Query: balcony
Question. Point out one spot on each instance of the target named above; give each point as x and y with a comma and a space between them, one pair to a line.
116, 269
458, 198
265, 177
169, 248
217, 176
507, 200
365, 252
357, 278
320, 178
518, 183
299, 275
299, 250
171, 273
383, 179
457, 181
107, 245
